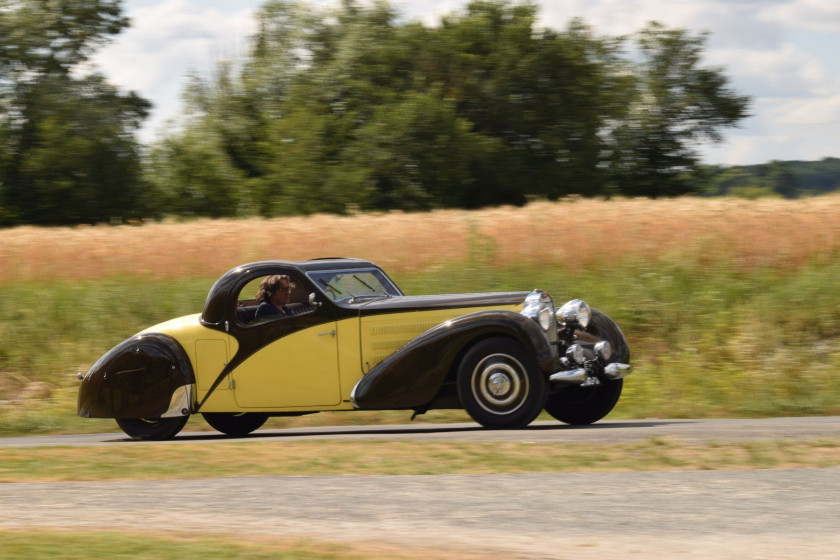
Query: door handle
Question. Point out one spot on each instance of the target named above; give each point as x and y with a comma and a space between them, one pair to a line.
332, 332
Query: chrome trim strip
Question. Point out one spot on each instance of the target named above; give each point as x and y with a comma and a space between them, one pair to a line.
353, 394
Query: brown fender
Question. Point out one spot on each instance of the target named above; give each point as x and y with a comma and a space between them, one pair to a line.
413, 375
146, 376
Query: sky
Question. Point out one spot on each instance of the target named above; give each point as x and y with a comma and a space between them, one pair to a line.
782, 53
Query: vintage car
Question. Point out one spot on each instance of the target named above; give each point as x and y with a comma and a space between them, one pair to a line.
353, 341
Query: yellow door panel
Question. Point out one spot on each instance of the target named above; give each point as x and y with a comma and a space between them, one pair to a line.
297, 371
210, 359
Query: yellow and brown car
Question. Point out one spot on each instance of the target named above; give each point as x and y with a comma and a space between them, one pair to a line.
351, 340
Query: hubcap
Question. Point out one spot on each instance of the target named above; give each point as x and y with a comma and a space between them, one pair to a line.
499, 384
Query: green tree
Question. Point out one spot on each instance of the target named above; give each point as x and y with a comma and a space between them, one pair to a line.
676, 104
546, 95
353, 108
70, 154
782, 179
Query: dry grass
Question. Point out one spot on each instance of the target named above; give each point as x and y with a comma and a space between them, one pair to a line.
257, 458
771, 232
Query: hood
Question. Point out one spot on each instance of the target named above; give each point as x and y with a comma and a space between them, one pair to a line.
447, 301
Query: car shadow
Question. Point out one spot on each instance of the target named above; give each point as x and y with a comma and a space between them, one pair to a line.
355, 431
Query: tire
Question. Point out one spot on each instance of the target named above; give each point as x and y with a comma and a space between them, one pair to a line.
500, 384
584, 405
235, 425
152, 428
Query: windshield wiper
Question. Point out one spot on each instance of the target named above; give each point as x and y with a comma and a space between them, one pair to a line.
330, 286
368, 286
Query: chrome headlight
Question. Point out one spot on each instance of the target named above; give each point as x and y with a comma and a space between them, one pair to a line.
544, 318
604, 350
539, 307
575, 311
575, 354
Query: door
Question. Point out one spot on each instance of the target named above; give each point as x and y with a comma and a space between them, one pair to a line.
297, 371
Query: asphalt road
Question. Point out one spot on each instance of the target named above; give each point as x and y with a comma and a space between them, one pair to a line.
605, 431
775, 514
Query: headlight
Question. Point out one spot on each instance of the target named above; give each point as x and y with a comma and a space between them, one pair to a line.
575, 353
604, 350
539, 307
544, 318
576, 311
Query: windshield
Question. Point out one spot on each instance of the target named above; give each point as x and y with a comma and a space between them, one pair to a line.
352, 284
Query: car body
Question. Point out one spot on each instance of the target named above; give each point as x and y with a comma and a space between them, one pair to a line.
354, 341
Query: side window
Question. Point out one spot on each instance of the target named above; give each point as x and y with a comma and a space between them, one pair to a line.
291, 301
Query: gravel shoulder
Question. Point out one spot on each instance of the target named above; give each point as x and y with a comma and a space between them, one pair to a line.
776, 514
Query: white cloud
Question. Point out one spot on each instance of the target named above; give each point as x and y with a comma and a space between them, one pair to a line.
621, 17
784, 129
785, 70
821, 16
166, 40
819, 111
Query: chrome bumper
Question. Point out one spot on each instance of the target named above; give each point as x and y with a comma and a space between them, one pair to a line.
580, 376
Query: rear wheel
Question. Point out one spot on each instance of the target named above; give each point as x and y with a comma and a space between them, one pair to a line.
500, 384
152, 428
235, 424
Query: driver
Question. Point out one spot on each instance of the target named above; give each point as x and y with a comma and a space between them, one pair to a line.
273, 296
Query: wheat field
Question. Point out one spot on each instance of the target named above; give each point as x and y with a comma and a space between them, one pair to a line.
578, 233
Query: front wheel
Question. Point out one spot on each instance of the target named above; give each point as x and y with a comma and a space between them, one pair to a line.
235, 425
500, 384
152, 428
584, 405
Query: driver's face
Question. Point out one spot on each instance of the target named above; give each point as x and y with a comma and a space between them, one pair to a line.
281, 295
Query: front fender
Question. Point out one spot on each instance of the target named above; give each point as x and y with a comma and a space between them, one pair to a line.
147, 376
603, 327
412, 376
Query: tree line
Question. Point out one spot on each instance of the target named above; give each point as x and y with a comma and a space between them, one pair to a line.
354, 108
788, 179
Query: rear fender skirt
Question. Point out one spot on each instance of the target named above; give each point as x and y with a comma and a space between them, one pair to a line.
147, 376
412, 376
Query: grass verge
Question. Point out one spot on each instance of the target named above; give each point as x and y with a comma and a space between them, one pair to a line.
167, 461
30, 545
706, 341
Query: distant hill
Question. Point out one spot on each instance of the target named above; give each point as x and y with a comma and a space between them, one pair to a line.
790, 179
